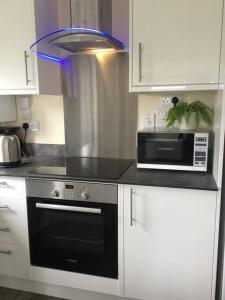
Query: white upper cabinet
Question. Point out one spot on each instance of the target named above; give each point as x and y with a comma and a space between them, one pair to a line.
21, 72
175, 44
169, 243
16, 34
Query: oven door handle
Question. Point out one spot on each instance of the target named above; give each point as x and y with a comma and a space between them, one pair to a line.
89, 210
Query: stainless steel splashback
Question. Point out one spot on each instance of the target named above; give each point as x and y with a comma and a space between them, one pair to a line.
100, 114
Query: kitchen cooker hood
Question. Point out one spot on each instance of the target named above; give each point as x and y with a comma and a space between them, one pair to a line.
90, 32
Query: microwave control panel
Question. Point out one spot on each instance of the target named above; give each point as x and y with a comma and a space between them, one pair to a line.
201, 143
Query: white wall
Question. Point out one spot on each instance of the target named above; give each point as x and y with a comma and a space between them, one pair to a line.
48, 110
7, 109
150, 102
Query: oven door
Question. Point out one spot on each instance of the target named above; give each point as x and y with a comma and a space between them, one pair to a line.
74, 236
166, 148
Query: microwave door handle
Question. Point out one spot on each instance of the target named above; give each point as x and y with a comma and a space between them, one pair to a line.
89, 210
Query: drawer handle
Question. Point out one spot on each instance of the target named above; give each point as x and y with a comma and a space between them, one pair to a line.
6, 229
4, 184
4, 207
7, 252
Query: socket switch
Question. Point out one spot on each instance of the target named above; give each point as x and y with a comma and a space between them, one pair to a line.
34, 126
149, 120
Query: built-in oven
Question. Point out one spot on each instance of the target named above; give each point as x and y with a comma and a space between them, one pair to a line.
173, 149
73, 226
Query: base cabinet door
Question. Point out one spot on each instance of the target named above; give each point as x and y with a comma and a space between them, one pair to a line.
168, 243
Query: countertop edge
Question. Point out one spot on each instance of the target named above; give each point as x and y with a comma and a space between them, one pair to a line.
132, 176
106, 181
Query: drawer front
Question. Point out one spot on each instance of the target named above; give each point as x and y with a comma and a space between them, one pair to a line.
11, 209
12, 233
12, 187
14, 261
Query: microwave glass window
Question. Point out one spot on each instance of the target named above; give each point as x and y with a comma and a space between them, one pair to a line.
164, 148
157, 149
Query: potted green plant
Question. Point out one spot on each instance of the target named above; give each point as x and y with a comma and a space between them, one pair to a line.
183, 112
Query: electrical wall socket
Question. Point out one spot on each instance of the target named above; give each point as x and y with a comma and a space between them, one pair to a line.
167, 100
149, 120
34, 125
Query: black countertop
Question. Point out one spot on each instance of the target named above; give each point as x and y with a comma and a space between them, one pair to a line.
132, 176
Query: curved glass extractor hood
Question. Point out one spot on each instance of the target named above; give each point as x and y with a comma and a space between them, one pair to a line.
58, 45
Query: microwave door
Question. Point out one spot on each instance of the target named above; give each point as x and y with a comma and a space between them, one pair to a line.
165, 149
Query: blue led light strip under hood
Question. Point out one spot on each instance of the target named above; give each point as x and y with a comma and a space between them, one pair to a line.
58, 45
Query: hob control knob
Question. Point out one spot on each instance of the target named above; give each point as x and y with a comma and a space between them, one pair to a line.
84, 196
55, 193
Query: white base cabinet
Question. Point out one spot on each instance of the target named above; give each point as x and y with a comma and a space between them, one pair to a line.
14, 253
169, 243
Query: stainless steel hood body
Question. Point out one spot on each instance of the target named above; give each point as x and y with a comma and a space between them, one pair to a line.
90, 32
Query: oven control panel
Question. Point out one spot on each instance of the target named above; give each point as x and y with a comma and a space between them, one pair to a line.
76, 191
72, 192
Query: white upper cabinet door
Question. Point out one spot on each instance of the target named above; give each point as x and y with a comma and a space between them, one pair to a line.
16, 34
174, 43
22, 22
169, 245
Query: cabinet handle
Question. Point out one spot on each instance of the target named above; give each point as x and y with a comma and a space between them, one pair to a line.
4, 207
140, 61
5, 229
3, 183
131, 208
26, 56
7, 252
89, 210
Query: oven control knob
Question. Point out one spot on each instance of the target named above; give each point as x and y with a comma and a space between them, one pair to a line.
84, 196
55, 193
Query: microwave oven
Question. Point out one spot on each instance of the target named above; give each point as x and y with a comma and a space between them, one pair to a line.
173, 149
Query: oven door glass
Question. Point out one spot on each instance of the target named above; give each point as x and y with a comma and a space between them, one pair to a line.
166, 148
74, 236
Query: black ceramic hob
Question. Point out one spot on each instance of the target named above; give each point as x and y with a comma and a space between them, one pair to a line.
102, 168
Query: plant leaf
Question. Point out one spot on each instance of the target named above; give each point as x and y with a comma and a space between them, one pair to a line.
176, 114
